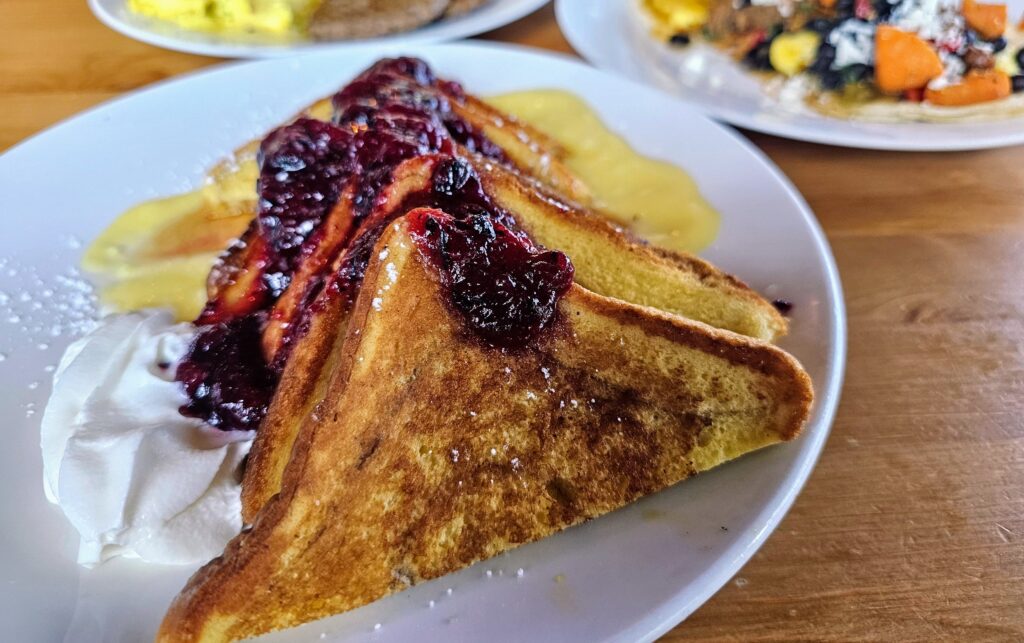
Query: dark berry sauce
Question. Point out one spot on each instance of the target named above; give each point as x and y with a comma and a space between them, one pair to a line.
227, 382
504, 288
394, 111
454, 188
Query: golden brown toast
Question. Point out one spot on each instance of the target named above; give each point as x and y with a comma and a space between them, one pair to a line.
621, 266
348, 19
387, 488
607, 262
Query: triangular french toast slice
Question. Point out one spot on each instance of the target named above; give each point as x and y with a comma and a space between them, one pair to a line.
482, 401
606, 261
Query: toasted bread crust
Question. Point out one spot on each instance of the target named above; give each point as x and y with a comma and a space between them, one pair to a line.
386, 488
627, 268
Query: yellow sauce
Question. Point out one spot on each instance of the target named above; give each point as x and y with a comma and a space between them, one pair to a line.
657, 200
158, 253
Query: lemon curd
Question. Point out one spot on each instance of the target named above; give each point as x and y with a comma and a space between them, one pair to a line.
656, 200
158, 254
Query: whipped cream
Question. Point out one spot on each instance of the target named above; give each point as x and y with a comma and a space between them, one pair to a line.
134, 477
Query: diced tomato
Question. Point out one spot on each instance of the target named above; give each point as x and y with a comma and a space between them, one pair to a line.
863, 9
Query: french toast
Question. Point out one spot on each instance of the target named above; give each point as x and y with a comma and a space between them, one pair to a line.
625, 339
605, 260
290, 267
560, 405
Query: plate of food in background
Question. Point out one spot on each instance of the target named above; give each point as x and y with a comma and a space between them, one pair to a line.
878, 74
334, 205
268, 28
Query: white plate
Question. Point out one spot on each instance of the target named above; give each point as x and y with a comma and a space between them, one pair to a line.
611, 34
625, 576
115, 14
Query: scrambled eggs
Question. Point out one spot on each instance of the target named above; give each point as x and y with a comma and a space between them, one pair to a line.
275, 17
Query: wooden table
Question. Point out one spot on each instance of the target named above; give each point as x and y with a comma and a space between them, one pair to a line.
912, 526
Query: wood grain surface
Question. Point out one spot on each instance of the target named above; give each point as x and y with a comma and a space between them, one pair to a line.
912, 525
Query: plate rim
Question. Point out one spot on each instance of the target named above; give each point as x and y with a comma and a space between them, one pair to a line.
508, 13
672, 611
564, 10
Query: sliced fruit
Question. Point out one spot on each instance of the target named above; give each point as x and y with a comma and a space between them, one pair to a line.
978, 86
989, 20
903, 60
791, 53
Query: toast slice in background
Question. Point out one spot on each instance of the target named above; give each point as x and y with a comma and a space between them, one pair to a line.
386, 487
460, 7
606, 260
351, 19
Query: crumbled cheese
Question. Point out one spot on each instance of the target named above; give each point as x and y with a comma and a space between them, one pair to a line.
937, 20
854, 41
953, 68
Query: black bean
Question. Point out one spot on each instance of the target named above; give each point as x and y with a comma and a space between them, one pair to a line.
855, 73
883, 8
832, 80
821, 26
758, 57
823, 60
1018, 83
1020, 58
679, 39
998, 44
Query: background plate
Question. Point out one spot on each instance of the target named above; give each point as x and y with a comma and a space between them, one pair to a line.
610, 34
630, 575
114, 14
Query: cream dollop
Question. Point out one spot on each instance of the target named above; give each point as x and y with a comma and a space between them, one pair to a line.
134, 477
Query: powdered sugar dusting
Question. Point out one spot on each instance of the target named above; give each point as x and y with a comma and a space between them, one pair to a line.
45, 310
